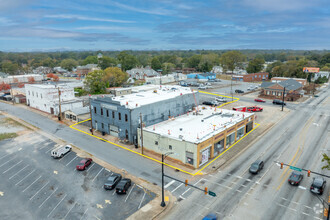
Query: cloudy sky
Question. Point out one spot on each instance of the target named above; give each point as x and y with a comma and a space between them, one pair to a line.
46, 25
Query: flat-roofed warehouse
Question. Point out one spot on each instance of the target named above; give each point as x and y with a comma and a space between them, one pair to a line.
198, 136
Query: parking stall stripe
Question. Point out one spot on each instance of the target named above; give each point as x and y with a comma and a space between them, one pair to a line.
69, 211
71, 161
83, 214
65, 156
56, 206
12, 167
25, 177
129, 193
49, 150
98, 174
170, 183
7, 162
47, 198
31, 184
90, 167
5, 156
18, 172
142, 200
39, 190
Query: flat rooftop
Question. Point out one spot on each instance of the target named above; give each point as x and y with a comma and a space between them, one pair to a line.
144, 98
198, 128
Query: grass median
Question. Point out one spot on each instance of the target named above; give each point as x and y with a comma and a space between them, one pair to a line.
4, 136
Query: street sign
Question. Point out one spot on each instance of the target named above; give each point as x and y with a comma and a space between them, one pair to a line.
295, 168
212, 194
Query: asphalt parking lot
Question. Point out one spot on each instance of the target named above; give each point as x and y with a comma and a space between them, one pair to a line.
35, 186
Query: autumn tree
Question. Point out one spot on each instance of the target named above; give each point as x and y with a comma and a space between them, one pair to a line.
94, 82
113, 76
31, 79
4, 86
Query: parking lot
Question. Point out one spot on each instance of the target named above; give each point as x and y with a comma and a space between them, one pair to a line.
36, 186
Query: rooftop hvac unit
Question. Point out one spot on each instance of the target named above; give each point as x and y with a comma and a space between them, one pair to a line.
181, 136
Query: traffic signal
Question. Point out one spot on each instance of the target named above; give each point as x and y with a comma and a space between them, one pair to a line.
308, 173
205, 190
186, 183
282, 165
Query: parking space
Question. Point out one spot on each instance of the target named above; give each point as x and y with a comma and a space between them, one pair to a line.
46, 188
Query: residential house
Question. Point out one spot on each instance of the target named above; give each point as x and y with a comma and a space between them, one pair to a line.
142, 73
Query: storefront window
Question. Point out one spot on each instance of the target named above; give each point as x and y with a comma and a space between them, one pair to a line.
230, 139
189, 158
219, 147
205, 155
240, 133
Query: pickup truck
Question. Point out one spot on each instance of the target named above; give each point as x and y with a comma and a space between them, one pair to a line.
60, 151
254, 109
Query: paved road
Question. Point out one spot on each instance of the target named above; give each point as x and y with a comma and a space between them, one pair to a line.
299, 139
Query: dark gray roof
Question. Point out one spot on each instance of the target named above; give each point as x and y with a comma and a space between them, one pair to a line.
266, 84
290, 84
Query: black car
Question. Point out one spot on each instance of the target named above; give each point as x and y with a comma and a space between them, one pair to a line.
295, 178
318, 185
239, 91
278, 102
123, 186
256, 167
211, 103
112, 181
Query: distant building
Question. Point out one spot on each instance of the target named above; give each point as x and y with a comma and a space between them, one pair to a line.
77, 114
321, 74
21, 78
280, 79
252, 77
59, 69
142, 73
174, 77
217, 70
42, 70
206, 76
293, 89
84, 70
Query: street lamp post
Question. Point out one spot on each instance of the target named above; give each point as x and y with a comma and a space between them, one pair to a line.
328, 204
162, 204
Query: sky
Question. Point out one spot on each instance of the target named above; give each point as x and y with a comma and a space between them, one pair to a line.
45, 25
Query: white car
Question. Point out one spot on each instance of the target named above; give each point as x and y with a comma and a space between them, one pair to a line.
202, 87
60, 151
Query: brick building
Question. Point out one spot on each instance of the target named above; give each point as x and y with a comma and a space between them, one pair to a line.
252, 77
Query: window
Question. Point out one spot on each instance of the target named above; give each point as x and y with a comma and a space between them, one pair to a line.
101, 111
119, 116
29, 93
107, 113
32, 93
37, 94
102, 125
74, 118
156, 142
170, 147
126, 118
95, 110
113, 114
40, 95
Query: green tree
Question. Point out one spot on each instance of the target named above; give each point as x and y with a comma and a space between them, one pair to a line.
94, 82
90, 60
48, 62
155, 64
69, 64
255, 65
168, 68
9, 67
106, 62
113, 76
207, 62
231, 59
194, 61
127, 61
327, 160
144, 60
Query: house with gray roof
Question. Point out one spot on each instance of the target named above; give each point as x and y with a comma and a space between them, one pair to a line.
142, 73
293, 89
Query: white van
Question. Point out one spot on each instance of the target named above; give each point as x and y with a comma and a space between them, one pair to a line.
60, 151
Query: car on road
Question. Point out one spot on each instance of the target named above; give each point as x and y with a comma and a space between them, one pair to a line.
295, 178
123, 186
202, 87
256, 167
318, 185
221, 99
211, 103
254, 109
112, 181
60, 151
259, 100
210, 216
84, 163
278, 102
239, 91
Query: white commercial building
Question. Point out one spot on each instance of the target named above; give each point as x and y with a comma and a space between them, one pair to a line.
22, 78
46, 98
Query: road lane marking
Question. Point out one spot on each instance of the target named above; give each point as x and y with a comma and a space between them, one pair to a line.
239, 177
69, 211
71, 161
47, 198
83, 214
301, 187
25, 177
19, 171
182, 197
56, 206
129, 193
39, 191
99, 206
12, 167
176, 188
97, 174
142, 200
107, 201
308, 207
170, 183
305, 213
31, 184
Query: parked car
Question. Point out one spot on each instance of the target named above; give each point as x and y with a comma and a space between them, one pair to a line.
217, 80
259, 100
254, 109
210, 216
60, 151
202, 87
221, 99
278, 102
84, 163
318, 185
256, 167
123, 186
112, 181
295, 178
239, 91
211, 103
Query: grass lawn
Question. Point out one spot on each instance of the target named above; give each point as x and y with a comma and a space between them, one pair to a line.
4, 136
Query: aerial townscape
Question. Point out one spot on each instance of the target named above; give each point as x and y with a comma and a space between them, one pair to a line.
164, 110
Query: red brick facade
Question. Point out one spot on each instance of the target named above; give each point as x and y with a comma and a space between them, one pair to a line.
252, 77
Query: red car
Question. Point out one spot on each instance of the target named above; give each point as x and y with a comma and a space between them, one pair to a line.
84, 163
259, 100
254, 109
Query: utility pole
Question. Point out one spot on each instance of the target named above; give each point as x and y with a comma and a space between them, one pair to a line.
141, 125
231, 85
162, 204
12, 95
90, 112
283, 98
59, 104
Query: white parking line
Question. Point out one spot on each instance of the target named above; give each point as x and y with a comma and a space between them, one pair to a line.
97, 174
185, 192
25, 177
49, 150
176, 188
301, 187
83, 214
31, 184
65, 156
7, 162
39, 190
56, 206
305, 213
69, 211
12, 167
5, 156
142, 200
129, 193
90, 167
18, 172
45, 145
47, 198
71, 161
170, 183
